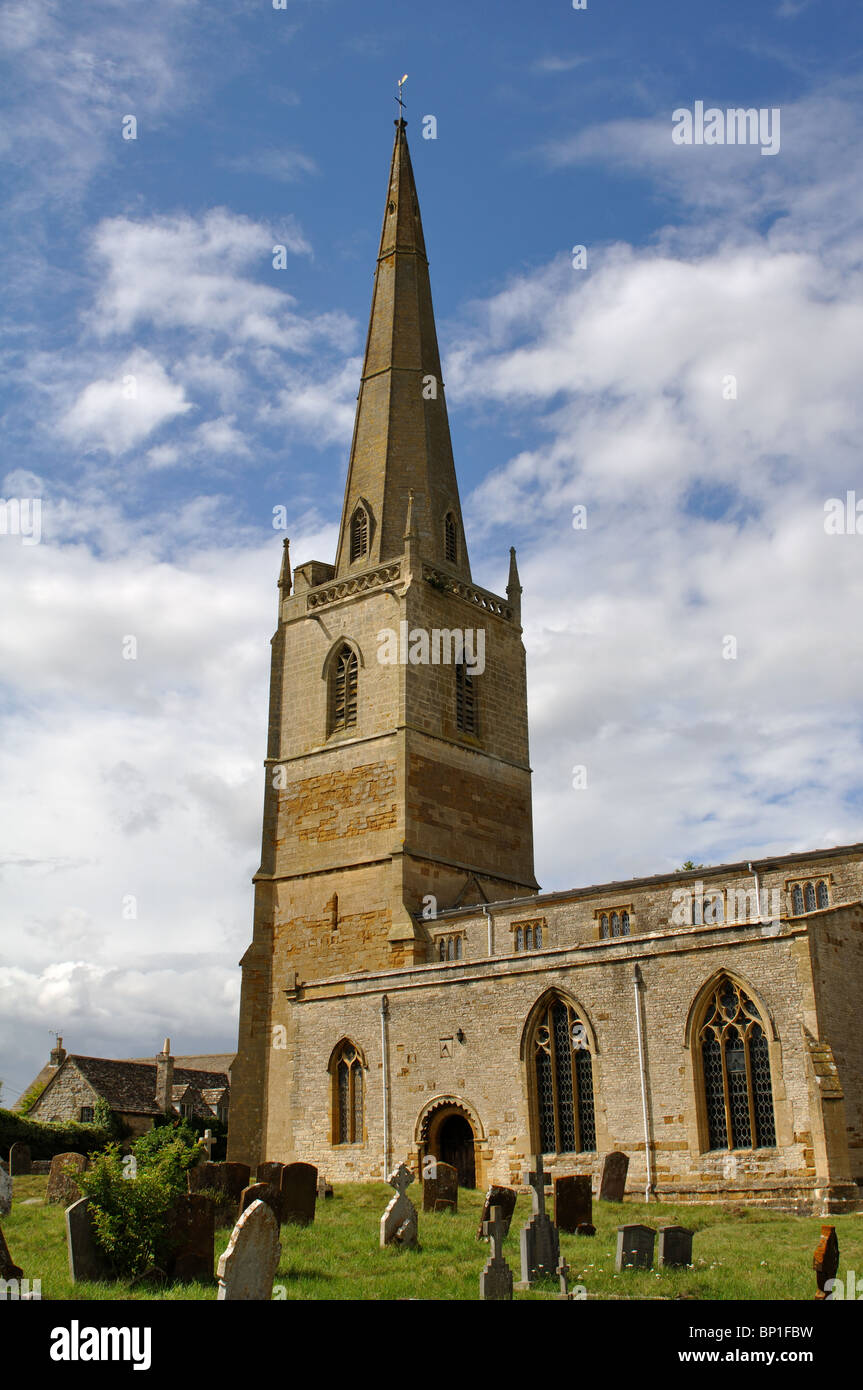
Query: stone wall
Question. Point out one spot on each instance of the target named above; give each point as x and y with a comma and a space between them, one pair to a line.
61, 1101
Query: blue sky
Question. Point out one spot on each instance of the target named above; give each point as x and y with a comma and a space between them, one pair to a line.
151, 259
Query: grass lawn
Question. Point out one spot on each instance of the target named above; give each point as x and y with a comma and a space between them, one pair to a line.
739, 1252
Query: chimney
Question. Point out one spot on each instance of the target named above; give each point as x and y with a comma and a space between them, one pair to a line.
164, 1078
58, 1053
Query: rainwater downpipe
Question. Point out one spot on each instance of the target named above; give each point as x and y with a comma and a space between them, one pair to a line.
639, 1024
385, 1074
489, 921
754, 872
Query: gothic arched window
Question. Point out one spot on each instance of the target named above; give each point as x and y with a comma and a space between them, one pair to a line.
603, 926
797, 900
359, 534
562, 1080
821, 893
624, 924
465, 699
343, 689
348, 1075
615, 924
809, 897
450, 538
735, 1065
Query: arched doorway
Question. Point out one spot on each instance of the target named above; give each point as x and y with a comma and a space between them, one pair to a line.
455, 1146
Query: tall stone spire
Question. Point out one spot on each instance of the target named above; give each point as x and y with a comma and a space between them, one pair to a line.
401, 438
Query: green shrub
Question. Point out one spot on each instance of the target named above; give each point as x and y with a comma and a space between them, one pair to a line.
132, 1216
46, 1140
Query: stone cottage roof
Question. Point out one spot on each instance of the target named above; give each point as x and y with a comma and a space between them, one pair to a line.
131, 1086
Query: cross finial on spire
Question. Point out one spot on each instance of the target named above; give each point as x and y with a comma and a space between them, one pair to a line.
402, 81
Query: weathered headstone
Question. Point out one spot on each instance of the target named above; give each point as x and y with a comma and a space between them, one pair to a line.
208, 1142
5, 1192
325, 1187
193, 1225
229, 1180
540, 1245
270, 1172
62, 1186
248, 1266
41, 1167
613, 1184
87, 1260
573, 1203
495, 1281
441, 1187
399, 1223
562, 1272
260, 1192
503, 1197
8, 1270
19, 1160
825, 1261
298, 1193
586, 1229
634, 1247
675, 1246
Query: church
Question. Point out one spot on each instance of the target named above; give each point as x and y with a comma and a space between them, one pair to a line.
409, 990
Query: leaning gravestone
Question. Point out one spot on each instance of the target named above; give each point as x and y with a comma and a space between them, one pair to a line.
298, 1193
503, 1197
440, 1192
5, 1192
20, 1163
573, 1203
8, 1270
194, 1228
495, 1281
675, 1246
87, 1260
825, 1261
62, 1186
260, 1192
399, 1223
613, 1183
248, 1266
634, 1247
540, 1245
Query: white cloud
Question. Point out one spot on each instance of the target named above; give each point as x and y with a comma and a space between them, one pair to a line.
119, 412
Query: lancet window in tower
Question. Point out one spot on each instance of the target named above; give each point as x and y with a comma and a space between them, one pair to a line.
563, 1081
348, 1073
343, 690
465, 700
735, 1065
359, 534
450, 539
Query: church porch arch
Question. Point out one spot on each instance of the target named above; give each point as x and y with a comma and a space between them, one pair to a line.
449, 1129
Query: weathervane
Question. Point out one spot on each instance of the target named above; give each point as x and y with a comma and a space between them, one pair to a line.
402, 81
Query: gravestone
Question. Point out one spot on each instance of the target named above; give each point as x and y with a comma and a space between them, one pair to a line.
675, 1246
399, 1223
613, 1184
8, 1270
298, 1193
248, 1266
563, 1275
20, 1164
41, 1167
325, 1187
573, 1203
229, 1180
540, 1246
825, 1261
87, 1260
193, 1224
271, 1173
495, 1281
441, 1189
5, 1192
62, 1186
634, 1247
503, 1197
260, 1192
586, 1229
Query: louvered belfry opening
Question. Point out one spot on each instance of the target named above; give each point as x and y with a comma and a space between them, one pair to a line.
359, 534
465, 700
343, 704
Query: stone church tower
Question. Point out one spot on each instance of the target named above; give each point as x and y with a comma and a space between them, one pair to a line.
397, 775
